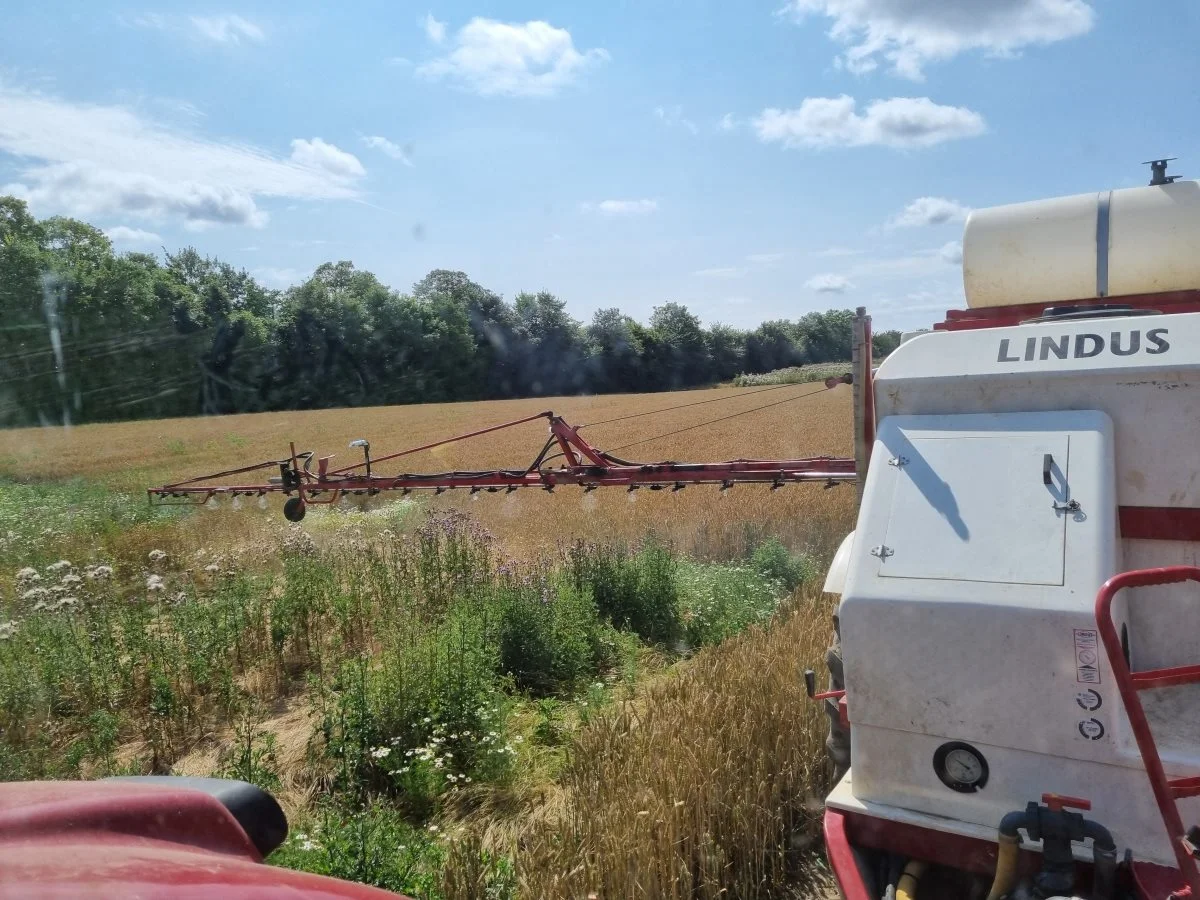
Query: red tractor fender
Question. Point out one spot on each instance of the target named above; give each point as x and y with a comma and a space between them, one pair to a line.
112, 839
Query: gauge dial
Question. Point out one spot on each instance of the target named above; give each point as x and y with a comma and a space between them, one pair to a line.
960, 767
963, 766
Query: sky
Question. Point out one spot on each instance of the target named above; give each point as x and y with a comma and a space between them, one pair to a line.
752, 160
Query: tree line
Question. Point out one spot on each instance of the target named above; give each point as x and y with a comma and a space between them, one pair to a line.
93, 335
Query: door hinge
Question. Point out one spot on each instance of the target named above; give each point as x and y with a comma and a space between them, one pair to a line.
882, 551
898, 461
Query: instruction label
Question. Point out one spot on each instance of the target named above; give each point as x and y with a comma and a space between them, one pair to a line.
1087, 656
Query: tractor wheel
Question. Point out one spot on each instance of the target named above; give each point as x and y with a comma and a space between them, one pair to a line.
837, 745
294, 509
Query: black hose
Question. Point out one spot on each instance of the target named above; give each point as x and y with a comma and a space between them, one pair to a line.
1013, 821
1104, 860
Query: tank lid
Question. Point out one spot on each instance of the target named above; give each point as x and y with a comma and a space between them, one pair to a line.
1091, 311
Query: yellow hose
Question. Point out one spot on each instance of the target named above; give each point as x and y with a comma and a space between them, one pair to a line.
1006, 867
906, 889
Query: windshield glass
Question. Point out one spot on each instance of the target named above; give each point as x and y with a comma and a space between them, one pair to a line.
445, 418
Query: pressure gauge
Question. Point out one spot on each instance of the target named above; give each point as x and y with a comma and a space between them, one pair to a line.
960, 767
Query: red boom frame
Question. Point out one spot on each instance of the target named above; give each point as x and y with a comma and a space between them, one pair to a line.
584, 465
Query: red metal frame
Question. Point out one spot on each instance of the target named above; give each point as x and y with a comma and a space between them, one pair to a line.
586, 466
1166, 790
1000, 316
846, 830
1160, 523
841, 857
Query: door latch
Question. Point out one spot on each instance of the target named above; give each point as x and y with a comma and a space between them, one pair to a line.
882, 551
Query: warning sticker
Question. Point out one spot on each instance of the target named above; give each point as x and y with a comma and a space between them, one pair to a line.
1087, 656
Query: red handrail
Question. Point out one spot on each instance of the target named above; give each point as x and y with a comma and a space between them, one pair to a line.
1166, 791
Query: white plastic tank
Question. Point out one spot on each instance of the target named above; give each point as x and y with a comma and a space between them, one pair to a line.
1139, 240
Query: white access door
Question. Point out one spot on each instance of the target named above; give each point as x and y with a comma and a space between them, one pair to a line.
978, 507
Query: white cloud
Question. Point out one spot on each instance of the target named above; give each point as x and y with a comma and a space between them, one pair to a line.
738, 301
921, 264
828, 284
765, 259
220, 29
279, 278
673, 116
434, 30
227, 29
907, 34
903, 122
395, 151
90, 160
837, 251
727, 122
951, 252
929, 211
123, 234
720, 272
622, 207
317, 154
533, 59
86, 190
147, 20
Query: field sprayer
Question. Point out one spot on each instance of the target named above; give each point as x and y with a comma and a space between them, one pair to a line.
1012, 682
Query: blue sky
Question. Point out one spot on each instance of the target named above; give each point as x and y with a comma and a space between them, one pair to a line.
751, 160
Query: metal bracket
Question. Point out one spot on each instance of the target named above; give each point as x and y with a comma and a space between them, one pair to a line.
898, 461
882, 551
1069, 506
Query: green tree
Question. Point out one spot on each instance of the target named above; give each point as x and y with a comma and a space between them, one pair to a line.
680, 332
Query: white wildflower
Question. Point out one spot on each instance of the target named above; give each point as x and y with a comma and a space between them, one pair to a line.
61, 566
71, 578
212, 569
35, 593
98, 573
433, 828
309, 845
154, 583
7, 630
28, 574
381, 752
157, 556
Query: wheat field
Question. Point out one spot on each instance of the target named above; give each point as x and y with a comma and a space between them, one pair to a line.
698, 777
134, 456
